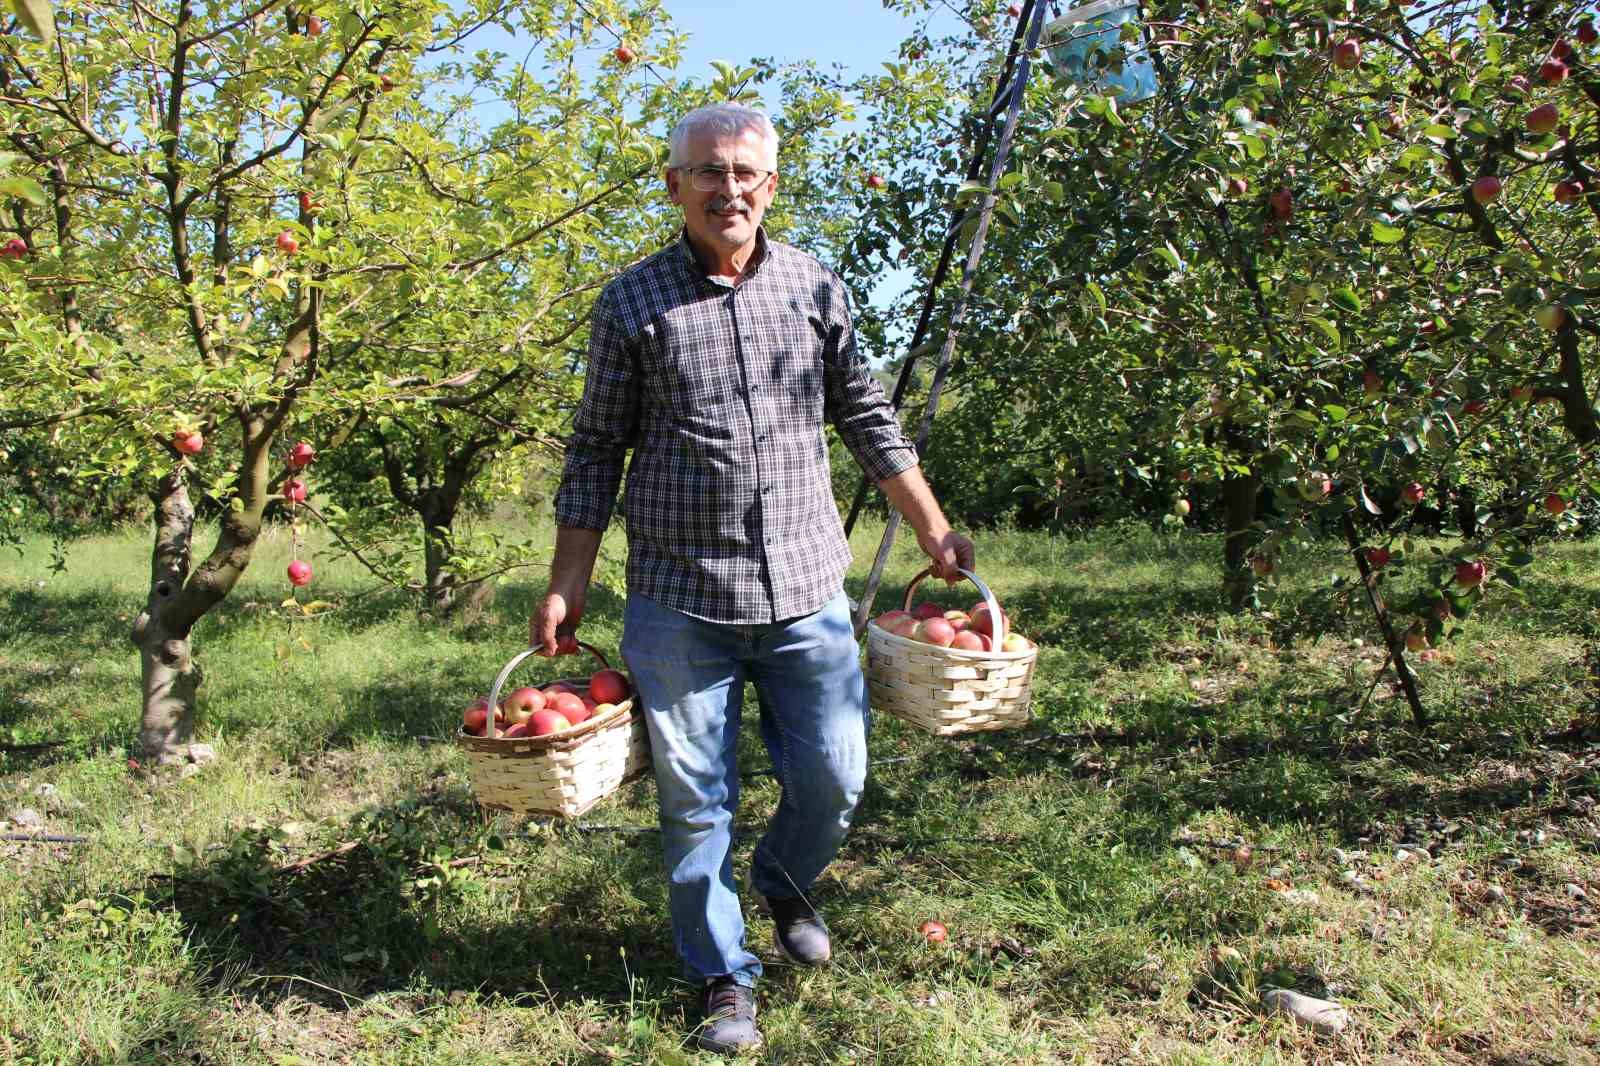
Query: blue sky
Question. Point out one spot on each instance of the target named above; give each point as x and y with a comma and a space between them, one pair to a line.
859, 34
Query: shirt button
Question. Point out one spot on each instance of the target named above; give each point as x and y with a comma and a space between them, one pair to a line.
769, 540
761, 439
766, 489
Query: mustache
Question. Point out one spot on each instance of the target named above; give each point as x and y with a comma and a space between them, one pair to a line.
723, 203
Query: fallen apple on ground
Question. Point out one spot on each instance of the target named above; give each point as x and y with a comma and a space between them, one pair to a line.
933, 932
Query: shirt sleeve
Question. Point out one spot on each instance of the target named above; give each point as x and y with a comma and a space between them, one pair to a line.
855, 402
605, 427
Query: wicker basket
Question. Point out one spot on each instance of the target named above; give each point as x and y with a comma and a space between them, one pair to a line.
564, 773
945, 691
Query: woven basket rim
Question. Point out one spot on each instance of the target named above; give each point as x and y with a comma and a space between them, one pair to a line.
962, 653
551, 741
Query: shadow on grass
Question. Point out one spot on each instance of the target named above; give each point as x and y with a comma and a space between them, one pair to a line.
425, 901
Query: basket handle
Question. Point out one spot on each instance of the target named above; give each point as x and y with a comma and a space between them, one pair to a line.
989, 600
505, 672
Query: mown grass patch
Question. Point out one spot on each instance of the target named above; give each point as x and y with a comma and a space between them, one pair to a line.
328, 892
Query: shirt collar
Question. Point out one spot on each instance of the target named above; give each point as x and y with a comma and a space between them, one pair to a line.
689, 259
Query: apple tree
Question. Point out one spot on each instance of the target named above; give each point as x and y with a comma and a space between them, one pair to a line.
262, 222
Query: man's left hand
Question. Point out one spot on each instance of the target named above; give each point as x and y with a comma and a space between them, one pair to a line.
951, 553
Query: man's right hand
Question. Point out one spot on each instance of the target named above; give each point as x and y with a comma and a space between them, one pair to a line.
552, 629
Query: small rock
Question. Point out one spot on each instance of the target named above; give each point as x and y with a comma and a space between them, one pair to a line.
1404, 856
1301, 897
1349, 877
189, 770
1319, 1015
1280, 872
1576, 891
200, 754
1494, 892
27, 819
46, 791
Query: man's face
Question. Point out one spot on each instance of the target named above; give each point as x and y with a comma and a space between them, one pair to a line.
726, 217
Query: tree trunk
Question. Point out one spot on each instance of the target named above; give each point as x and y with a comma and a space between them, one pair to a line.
445, 594
1239, 506
167, 667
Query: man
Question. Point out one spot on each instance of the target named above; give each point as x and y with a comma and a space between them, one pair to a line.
716, 361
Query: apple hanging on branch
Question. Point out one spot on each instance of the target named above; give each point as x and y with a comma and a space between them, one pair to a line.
1347, 54
300, 455
1413, 493
294, 490
287, 243
1470, 574
1542, 119
299, 572
188, 441
1486, 190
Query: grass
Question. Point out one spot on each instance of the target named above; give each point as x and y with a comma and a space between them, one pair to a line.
1099, 910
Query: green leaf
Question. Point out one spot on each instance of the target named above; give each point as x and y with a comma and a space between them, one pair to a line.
23, 189
1099, 297
37, 16
1335, 413
1384, 233
1327, 329
1345, 299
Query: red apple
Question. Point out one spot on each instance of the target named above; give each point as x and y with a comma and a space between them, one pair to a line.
967, 640
1378, 558
1474, 407
472, 719
1413, 493
1347, 54
925, 611
624, 54
1470, 574
1553, 72
1561, 49
1567, 192
876, 181
386, 83
1282, 203
1261, 565
1542, 119
1238, 187
984, 624
905, 626
545, 721
301, 455
1521, 393
1587, 34
1416, 639
1486, 190
519, 729
1518, 85
15, 248
1014, 11
1371, 383
567, 704
933, 932
307, 205
1316, 485
299, 572
937, 631
887, 619
287, 243
520, 705
294, 490
1554, 503
313, 26
609, 686
188, 441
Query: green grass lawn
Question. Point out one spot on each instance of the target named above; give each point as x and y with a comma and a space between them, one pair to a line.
1445, 887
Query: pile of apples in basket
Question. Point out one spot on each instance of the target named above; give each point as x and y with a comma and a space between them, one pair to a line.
971, 630
541, 712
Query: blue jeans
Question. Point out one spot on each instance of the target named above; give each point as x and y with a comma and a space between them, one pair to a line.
690, 677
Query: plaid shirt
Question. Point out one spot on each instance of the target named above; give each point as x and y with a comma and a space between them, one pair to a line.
721, 391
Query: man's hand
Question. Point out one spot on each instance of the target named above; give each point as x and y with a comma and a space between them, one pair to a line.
552, 629
951, 553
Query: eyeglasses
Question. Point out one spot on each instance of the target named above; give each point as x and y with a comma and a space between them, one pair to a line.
711, 179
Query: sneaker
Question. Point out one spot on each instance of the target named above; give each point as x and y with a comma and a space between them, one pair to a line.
797, 928
730, 1018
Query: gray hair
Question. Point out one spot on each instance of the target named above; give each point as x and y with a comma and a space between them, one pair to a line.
727, 120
